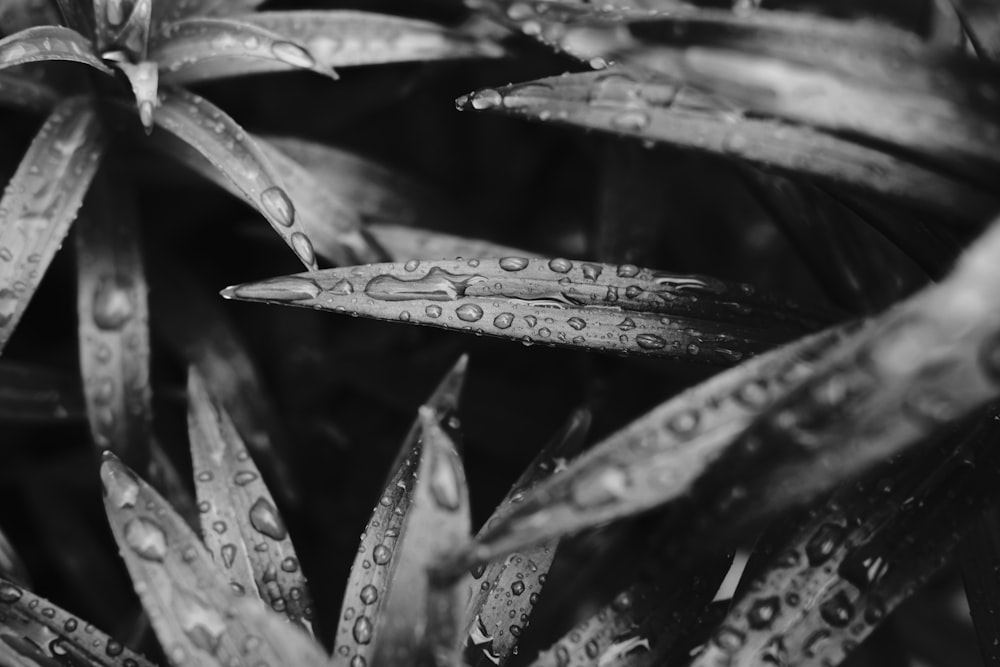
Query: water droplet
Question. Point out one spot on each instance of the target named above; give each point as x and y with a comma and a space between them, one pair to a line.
592, 272
650, 342
146, 538
631, 120
433, 310
503, 320
120, 484
437, 285
531, 320
202, 624
411, 265
280, 289
628, 271
228, 554
445, 482
513, 263
823, 543
763, 611
735, 143
381, 554
632, 291
113, 305
838, 610
729, 639
469, 312
362, 630
9, 593
560, 265
486, 99
292, 54
517, 588
577, 323
278, 206
265, 520
515, 630
359, 661
303, 247
369, 594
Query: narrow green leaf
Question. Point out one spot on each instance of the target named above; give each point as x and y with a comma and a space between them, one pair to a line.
662, 453
112, 319
26, 94
240, 524
195, 328
198, 617
203, 49
349, 38
32, 393
654, 109
379, 193
401, 242
48, 42
554, 302
35, 629
217, 137
42, 200
491, 634
419, 625
375, 565
123, 25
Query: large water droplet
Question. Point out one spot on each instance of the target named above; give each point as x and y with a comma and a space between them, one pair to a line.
362, 630
823, 543
303, 247
9, 593
577, 323
381, 554
763, 611
244, 477
280, 289
513, 263
486, 99
113, 303
650, 342
729, 639
517, 588
437, 285
228, 554
433, 310
369, 594
469, 312
503, 320
560, 265
203, 625
265, 520
146, 538
293, 54
838, 610
278, 206
631, 120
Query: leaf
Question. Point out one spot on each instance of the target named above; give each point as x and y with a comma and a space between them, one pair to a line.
240, 524
26, 94
30, 393
123, 25
379, 193
168, 11
203, 49
418, 620
198, 618
217, 137
402, 242
43, 633
982, 26
865, 551
145, 81
653, 109
12, 566
112, 317
196, 330
980, 554
491, 634
349, 38
376, 565
42, 200
603, 307
661, 453
48, 42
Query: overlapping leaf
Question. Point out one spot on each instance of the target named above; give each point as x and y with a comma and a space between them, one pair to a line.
376, 566
980, 555
123, 25
24, 93
349, 38
202, 49
48, 42
36, 394
198, 617
401, 241
655, 109
112, 315
492, 634
41, 202
554, 302
240, 524
229, 149
36, 632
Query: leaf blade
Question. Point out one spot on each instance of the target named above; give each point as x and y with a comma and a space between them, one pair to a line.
42, 43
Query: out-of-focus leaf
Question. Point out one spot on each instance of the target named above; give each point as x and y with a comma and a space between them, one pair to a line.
376, 564
864, 552
37, 394
653, 109
112, 319
144, 79
168, 11
379, 193
348, 38
77, 15
217, 137
26, 94
198, 617
203, 49
492, 635
980, 556
48, 42
12, 567
583, 305
402, 242
981, 23
123, 25
421, 620
637, 468
240, 524
42, 200
40, 633
16, 16
195, 328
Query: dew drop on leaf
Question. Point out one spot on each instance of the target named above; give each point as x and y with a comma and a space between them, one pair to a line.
362, 630
469, 312
265, 520
146, 539
293, 54
113, 305
278, 206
